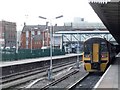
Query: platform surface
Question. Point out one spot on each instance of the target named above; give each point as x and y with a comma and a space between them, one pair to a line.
10, 63
111, 78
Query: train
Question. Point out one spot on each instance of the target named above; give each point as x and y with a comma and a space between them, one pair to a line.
98, 54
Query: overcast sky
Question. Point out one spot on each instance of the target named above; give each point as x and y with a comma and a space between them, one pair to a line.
21, 11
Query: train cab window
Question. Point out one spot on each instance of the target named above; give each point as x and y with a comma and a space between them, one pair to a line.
103, 48
87, 49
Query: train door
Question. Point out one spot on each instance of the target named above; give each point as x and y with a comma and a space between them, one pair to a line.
95, 56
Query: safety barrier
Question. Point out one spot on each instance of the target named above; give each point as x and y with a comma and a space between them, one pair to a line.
11, 55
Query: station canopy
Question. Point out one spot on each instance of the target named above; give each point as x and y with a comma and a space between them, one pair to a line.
109, 13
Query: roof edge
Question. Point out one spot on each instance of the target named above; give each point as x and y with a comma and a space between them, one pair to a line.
99, 1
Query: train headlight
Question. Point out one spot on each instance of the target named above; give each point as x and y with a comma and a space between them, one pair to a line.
104, 55
87, 55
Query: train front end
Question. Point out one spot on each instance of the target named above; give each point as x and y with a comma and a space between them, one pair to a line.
96, 55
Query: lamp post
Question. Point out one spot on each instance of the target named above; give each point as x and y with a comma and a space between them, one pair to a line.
47, 37
50, 69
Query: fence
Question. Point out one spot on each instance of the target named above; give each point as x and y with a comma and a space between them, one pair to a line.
11, 55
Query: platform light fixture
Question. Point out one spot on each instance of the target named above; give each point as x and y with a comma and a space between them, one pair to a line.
50, 21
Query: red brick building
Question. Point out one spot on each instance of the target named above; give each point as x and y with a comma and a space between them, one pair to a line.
34, 36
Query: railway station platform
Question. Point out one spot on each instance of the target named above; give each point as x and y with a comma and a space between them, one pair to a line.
110, 78
14, 67
18, 62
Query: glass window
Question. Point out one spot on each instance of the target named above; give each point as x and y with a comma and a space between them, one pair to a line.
3, 34
27, 34
33, 32
38, 32
103, 48
87, 48
27, 42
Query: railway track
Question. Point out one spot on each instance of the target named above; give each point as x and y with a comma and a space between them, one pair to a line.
64, 80
58, 80
12, 80
88, 82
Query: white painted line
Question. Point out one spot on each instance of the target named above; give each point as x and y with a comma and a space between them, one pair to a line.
98, 83
63, 71
35, 81
69, 68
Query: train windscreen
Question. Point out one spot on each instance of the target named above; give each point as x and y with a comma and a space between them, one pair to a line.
103, 47
104, 50
87, 49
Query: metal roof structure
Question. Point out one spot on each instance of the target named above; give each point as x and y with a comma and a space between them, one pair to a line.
86, 25
109, 13
73, 36
82, 32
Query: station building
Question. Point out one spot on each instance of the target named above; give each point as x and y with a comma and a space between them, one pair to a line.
38, 36
8, 34
34, 36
